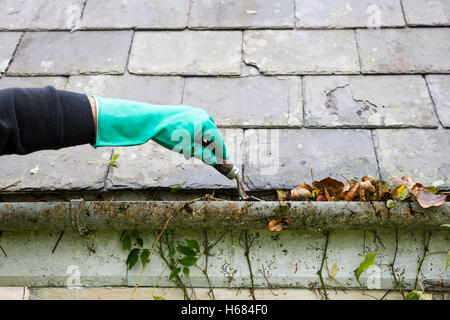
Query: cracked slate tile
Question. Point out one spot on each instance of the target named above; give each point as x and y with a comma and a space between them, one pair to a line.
32, 82
8, 43
249, 101
414, 50
368, 101
418, 153
432, 13
155, 14
155, 90
284, 158
153, 166
186, 53
440, 91
348, 13
40, 14
65, 169
286, 52
207, 14
64, 53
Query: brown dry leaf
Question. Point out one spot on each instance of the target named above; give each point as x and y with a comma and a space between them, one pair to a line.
365, 187
427, 199
327, 194
278, 224
300, 193
406, 181
353, 193
321, 197
333, 186
307, 187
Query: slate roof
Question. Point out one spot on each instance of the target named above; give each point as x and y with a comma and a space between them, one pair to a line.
342, 87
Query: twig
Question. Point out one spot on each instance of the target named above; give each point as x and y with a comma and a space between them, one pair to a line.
397, 284
1, 233
319, 273
57, 241
205, 270
247, 256
419, 265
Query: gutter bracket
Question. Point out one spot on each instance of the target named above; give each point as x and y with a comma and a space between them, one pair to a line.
78, 211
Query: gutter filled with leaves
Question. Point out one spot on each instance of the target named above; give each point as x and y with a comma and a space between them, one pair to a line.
211, 213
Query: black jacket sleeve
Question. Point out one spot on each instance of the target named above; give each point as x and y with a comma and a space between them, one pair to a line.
43, 118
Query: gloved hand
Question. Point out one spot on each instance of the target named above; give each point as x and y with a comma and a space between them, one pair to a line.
184, 129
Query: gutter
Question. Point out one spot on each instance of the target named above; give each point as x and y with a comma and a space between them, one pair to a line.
84, 216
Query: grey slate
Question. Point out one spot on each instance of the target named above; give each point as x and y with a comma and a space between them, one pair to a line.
440, 91
152, 166
155, 14
348, 13
186, 53
415, 50
40, 14
63, 53
368, 101
242, 14
65, 169
420, 154
155, 90
301, 51
283, 158
33, 82
247, 102
432, 13
8, 43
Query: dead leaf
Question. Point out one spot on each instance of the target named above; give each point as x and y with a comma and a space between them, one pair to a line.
427, 199
353, 193
300, 193
327, 195
333, 187
334, 270
278, 224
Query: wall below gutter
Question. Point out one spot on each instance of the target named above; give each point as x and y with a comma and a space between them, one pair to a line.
83, 216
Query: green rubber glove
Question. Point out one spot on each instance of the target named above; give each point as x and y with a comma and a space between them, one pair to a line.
183, 129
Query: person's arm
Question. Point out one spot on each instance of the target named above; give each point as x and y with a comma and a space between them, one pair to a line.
46, 118
35, 119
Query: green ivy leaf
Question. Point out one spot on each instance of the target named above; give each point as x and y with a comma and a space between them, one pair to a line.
133, 257
188, 261
115, 156
390, 204
123, 234
369, 260
413, 295
281, 210
446, 225
171, 250
126, 243
193, 244
176, 188
186, 251
186, 272
140, 242
144, 256
174, 273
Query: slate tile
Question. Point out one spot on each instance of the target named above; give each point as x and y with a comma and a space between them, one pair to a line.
368, 101
301, 51
64, 53
247, 102
284, 158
